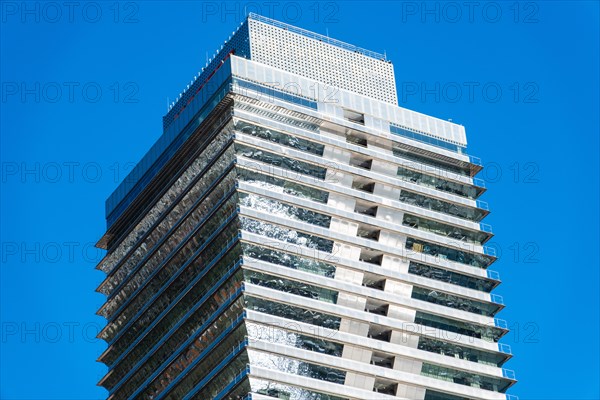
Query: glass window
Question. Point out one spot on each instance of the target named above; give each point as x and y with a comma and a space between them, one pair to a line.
286, 234
297, 367
443, 275
446, 253
275, 207
439, 228
459, 303
426, 139
290, 286
464, 328
456, 351
288, 260
465, 378
281, 161
287, 392
458, 189
472, 214
279, 137
278, 184
461, 168
292, 312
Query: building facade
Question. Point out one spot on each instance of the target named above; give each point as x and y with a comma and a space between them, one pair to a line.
295, 234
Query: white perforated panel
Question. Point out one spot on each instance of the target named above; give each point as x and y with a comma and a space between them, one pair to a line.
321, 61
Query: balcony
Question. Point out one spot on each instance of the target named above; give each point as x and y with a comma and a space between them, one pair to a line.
443, 164
377, 307
353, 116
486, 332
373, 281
358, 140
366, 208
459, 189
446, 253
371, 256
382, 360
385, 386
456, 302
379, 332
474, 380
504, 348
368, 232
454, 350
442, 275
363, 185
453, 232
361, 162
444, 207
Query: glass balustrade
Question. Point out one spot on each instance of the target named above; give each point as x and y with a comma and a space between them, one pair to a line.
454, 278
465, 378
452, 301
469, 213
280, 185
288, 260
459, 189
446, 253
462, 352
279, 137
439, 228
485, 332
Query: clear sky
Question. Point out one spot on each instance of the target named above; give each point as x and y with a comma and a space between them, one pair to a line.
84, 88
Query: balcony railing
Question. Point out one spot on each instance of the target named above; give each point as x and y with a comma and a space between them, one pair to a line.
504, 348
483, 205
496, 298
479, 182
489, 251
500, 323
475, 160
426, 138
485, 227
493, 275
508, 373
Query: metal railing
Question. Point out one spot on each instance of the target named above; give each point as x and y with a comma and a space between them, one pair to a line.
493, 275
504, 348
475, 160
485, 227
500, 323
489, 251
479, 182
496, 298
483, 205
508, 373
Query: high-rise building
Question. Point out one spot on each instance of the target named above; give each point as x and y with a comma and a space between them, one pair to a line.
295, 234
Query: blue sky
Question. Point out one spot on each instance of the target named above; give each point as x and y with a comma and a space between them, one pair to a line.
84, 90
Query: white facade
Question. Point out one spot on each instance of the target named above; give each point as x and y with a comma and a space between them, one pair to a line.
318, 57
356, 111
